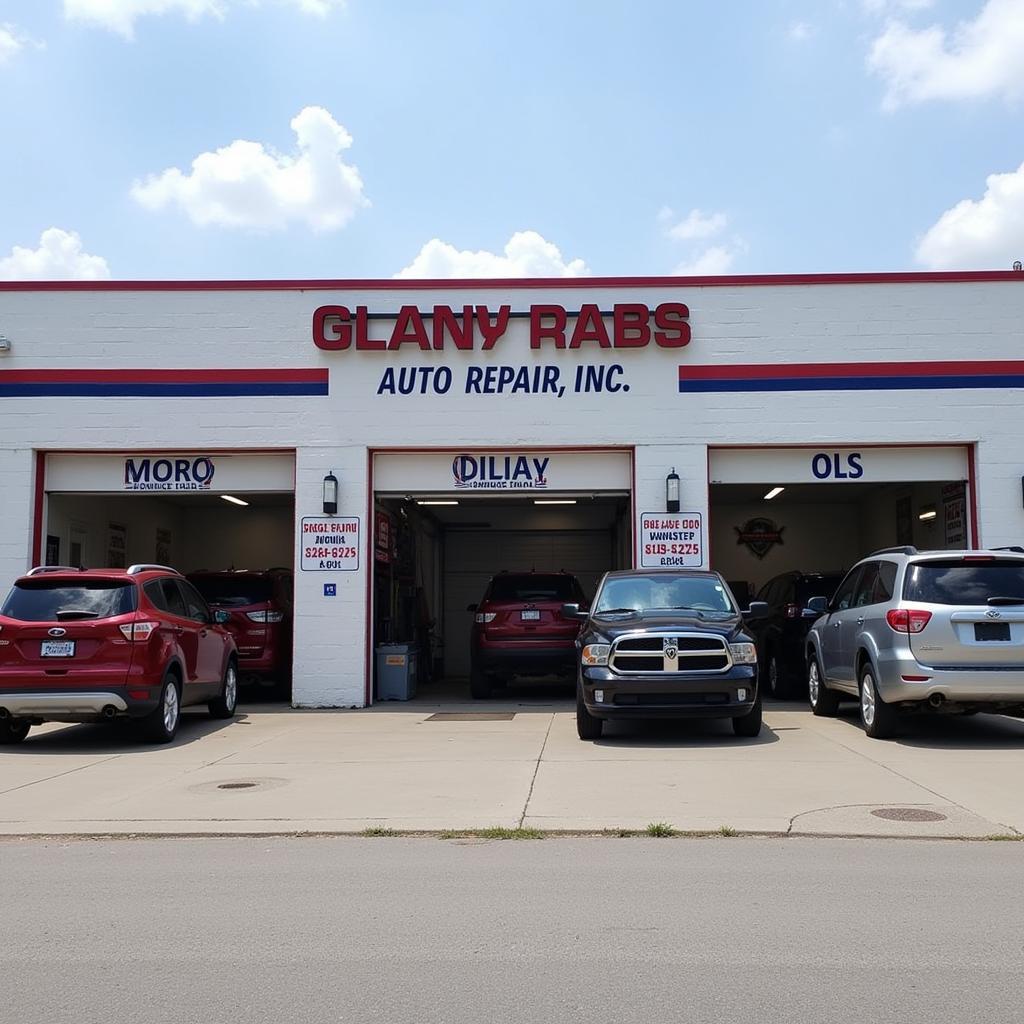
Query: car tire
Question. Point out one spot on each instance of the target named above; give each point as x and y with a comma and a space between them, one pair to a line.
776, 680
749, 725
880, 720
587, 726
824, 702
12, 732
224, 705
161, 724
479, 684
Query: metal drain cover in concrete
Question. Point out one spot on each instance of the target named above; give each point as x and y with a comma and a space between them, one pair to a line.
472, 716
238, 785
908, 814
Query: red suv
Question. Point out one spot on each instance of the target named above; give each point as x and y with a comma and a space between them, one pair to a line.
259, 607
84, 645
519, 629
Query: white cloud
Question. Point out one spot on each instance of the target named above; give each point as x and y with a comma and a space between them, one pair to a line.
800, 31
58, 258
247, 185
696, 224
527, 254
986, 233
718, 259
11, 42
883, 6
979, 58
120, 15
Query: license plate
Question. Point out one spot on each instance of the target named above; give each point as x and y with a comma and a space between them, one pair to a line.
58, 649
991, 631
529, 615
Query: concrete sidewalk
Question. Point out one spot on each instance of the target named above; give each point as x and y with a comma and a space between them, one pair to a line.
275, 770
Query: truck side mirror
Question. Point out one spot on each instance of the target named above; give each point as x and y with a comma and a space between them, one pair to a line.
758, 610
818, 605
573, 611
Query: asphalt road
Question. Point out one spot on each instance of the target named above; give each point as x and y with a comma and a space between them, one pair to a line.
424, 930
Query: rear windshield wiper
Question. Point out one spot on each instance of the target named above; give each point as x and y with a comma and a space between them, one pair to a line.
1006, 600
66, 614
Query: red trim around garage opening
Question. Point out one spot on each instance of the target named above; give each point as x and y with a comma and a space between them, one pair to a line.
448, 284
972, 496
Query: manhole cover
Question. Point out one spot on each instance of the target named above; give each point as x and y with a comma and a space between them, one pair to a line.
472, 716
908, 814
238, 785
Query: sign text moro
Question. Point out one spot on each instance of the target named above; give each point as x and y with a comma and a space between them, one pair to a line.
329, 544
673, 540
167, 474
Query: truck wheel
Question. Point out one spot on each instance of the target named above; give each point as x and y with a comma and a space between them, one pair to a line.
880, 720
749, 725
587, 726
778, 681
12, 732
824, 702
479, 684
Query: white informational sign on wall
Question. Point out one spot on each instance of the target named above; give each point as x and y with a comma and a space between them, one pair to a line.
671, 540
329, 544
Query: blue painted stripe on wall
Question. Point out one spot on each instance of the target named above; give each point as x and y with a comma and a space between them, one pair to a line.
854, 383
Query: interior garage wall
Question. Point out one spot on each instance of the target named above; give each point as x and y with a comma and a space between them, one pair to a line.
240, 538
816, 537
89, 517
878, 517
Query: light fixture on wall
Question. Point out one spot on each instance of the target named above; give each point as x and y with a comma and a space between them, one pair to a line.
234, 500
774, 493
672, 491
927, 513
554, 501
330, 494
425, 502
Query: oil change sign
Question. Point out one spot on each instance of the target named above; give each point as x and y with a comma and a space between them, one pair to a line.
330, 543
671, 540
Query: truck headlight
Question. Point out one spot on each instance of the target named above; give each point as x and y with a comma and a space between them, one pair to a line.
596, 654
743, 654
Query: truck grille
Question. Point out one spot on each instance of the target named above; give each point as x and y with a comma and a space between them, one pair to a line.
669, 652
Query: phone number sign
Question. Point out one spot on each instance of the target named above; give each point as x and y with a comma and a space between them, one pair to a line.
671, 540
329, 544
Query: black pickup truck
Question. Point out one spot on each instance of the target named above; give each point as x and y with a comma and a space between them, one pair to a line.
666, 643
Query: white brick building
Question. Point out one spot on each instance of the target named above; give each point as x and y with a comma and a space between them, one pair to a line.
888, 407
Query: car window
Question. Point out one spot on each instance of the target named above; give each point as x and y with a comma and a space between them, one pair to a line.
885, 585
155, 593
865, 585
642, 593
817, 586
195, 607
964, 580
533, 588
173, 602
234, 591
43, 600
844, 595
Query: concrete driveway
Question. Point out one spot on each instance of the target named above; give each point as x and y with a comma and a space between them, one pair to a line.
276, 770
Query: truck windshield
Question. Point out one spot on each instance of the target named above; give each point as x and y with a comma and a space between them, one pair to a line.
664, 592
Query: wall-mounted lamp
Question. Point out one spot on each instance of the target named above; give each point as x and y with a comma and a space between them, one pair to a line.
672, 491
927, 513
5, 343
330, 494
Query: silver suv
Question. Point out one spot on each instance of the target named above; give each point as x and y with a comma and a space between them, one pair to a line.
911, 630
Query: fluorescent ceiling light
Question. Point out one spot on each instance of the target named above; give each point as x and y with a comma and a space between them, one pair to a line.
436, 502
233, 499
926, 514
554, 501
774, 493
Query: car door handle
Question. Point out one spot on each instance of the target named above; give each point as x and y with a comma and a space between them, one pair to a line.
836, 625
860, 621
178, 630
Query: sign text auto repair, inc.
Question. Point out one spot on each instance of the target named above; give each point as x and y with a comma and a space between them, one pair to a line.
477, 328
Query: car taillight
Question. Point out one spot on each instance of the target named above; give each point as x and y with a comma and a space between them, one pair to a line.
265, 616
908, 620
136, 631
485, 616
791, 611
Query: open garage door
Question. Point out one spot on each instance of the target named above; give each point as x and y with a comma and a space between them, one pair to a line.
225, 520
446, 524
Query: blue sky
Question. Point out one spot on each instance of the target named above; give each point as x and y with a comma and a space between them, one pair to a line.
365, 138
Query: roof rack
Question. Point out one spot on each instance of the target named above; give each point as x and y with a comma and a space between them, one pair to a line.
906, 549
134, 570
40, 569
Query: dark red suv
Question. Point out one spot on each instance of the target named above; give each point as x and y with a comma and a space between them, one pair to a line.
259, 607
519, 629
84, 645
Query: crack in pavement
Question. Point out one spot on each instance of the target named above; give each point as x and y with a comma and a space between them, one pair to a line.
536, 769
59, 775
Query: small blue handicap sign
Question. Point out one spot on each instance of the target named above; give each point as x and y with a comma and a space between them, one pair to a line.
330, 590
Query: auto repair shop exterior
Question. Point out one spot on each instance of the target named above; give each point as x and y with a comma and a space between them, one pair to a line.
569, 385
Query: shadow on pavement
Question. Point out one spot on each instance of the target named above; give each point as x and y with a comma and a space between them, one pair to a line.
949, 732
678, 732
118, 737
